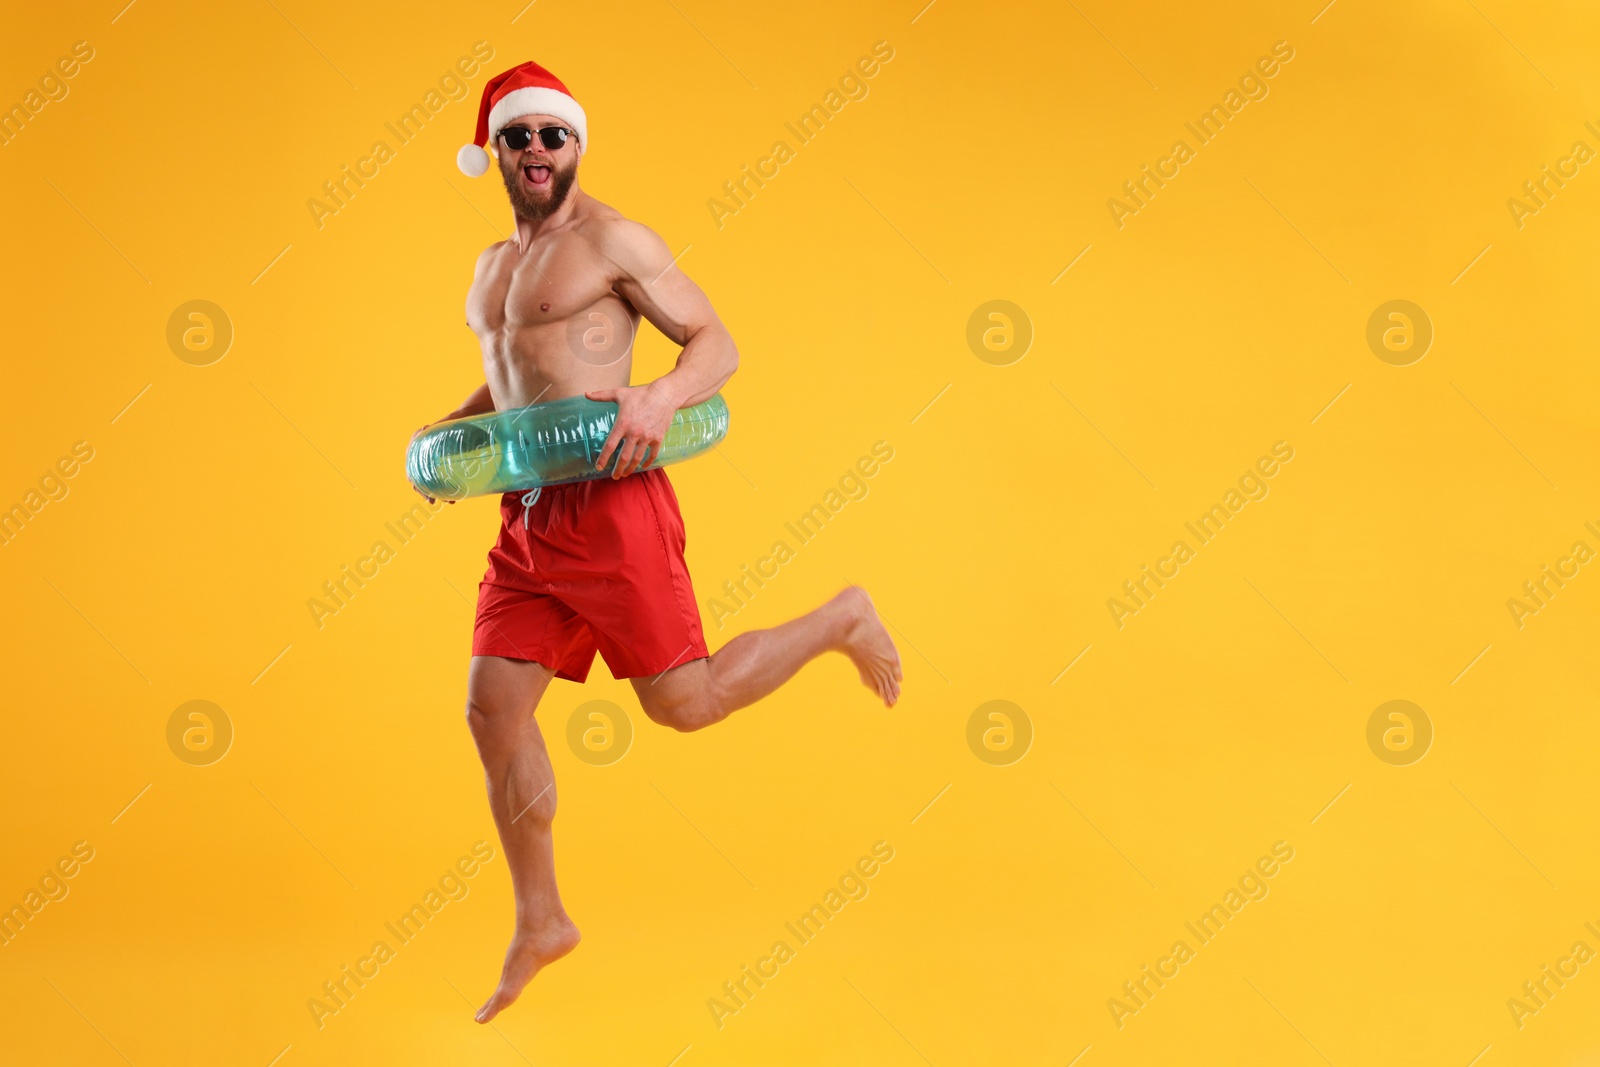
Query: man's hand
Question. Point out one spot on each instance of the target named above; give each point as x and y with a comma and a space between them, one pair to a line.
643, 416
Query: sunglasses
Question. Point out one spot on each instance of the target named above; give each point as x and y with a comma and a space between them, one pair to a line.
554, 138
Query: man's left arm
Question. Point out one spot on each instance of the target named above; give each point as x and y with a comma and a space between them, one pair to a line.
648, 279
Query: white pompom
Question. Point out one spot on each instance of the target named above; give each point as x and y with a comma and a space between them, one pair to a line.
473, 161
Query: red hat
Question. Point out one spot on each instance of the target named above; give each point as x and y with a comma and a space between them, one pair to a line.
525, 89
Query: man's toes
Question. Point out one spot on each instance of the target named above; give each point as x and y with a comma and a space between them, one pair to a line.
498, 1002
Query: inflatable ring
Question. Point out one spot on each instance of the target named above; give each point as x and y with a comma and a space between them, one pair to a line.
543, 444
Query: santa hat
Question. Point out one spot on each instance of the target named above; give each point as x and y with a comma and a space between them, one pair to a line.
525, 89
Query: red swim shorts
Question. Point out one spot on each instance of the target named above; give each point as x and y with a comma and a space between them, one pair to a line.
592, 566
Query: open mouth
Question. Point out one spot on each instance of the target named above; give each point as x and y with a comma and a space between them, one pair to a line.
536, 174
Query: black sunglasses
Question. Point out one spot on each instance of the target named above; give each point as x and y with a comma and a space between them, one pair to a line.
554, 138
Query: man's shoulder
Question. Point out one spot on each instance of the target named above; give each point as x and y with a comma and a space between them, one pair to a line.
602, 222
488, 254
620, 238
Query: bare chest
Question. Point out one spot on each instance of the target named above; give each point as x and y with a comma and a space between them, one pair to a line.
552, 282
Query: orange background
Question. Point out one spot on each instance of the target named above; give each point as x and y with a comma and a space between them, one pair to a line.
1230, 712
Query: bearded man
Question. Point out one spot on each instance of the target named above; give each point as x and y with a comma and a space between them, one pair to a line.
597, 565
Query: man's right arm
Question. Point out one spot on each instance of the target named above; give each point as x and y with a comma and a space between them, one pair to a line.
479, 403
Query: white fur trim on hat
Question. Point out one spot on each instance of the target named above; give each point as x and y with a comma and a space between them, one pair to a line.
536, 100
473, 161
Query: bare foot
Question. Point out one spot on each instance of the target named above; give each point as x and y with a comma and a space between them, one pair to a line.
869, 646
530, 951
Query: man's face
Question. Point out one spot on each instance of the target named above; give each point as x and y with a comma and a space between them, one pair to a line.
537, 179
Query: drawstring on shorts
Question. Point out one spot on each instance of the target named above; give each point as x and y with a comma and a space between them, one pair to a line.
529, 499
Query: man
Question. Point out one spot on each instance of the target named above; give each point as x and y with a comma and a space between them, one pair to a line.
598, 565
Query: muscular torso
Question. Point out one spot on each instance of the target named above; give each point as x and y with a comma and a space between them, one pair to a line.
549, 320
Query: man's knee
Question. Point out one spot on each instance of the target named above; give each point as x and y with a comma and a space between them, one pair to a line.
681, 708
502, 692
486, 716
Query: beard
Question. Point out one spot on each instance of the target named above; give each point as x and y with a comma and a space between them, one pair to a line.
524, 204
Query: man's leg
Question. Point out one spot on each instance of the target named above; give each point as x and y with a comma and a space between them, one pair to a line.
501, 697
752, 665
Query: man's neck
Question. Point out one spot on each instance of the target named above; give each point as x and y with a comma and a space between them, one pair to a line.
528, 230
